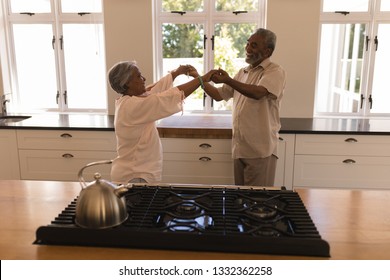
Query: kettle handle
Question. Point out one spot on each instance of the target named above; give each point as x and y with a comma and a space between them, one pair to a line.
80, 174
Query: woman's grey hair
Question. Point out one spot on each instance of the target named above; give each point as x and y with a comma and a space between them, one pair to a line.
120, 74
269, 37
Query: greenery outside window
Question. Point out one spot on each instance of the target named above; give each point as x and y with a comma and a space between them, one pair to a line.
207, 34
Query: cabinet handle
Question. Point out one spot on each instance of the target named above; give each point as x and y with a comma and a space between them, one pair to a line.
66, 135
349, 161
205, 145
67, 156
351, 140
204, 159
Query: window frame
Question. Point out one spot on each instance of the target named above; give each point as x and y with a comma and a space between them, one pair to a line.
56, 19
372, 19
209, 17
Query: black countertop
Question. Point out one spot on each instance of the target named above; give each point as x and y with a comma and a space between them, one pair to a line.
52, 121
208, 123
335, 126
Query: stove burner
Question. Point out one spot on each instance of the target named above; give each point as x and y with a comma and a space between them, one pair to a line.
260, 207
188, 208
187, 225
186, 212
261, 212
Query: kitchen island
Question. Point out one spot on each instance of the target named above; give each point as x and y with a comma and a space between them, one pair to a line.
355, 223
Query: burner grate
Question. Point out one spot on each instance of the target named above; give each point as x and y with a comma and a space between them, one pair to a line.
205, 219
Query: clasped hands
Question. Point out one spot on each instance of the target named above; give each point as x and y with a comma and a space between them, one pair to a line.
215, 75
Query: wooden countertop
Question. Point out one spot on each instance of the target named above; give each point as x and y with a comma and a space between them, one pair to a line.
356, 223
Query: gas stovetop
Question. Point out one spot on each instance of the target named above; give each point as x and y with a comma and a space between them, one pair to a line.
234, 219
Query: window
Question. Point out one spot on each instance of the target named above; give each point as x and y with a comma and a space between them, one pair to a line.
55, 55
355, 39
207, 34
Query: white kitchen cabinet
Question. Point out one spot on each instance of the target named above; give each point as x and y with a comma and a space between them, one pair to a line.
209, 161
60, 154
9, 161
197, 161
342, 161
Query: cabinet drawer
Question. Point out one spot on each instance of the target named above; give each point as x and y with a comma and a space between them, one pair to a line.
360, 145
67, 139
341, 171
198, 168
180, 145
62, 165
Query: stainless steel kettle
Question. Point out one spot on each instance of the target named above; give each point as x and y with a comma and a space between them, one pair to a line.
101, 203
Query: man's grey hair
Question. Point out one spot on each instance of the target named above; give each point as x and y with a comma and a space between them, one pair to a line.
120, 74
269, 37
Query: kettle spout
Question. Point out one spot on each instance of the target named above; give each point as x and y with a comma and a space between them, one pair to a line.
122, 190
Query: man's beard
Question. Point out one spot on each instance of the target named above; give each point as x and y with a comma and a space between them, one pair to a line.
254, 59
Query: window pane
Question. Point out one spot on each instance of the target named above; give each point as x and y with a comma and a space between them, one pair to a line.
36, 6
345, 5
84, 66
239, 5
36, 72
229, 50
183, 44
73, 6
182, 5
380, 88
340, 69
385, 5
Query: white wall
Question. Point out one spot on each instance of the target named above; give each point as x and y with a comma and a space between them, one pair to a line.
296, 24
128, 35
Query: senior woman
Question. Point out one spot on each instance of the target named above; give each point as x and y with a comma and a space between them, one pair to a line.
138, 108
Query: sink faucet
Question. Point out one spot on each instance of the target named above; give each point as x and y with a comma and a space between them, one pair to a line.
4, 105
